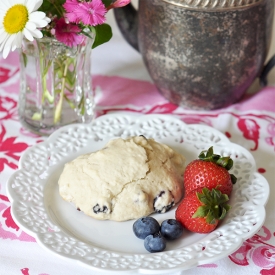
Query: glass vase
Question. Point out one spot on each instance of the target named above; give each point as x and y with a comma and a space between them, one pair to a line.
55, 85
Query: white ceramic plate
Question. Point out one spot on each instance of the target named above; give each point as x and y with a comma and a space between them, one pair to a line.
111, 246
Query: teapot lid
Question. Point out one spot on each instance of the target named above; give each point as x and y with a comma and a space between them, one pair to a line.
214, 4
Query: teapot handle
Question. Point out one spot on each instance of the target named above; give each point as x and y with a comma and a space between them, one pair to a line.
267, 68
127, 21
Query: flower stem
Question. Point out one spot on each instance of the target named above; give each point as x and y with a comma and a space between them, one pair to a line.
58, 110
45, 92
58, 8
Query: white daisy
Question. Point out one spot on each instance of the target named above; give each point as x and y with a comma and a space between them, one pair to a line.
19, 18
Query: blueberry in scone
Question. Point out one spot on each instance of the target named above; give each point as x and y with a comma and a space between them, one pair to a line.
163, 202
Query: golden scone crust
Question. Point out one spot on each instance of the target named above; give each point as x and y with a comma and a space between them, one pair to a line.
127, 179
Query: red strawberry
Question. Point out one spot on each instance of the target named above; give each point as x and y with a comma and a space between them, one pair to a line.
210, 171
201, 210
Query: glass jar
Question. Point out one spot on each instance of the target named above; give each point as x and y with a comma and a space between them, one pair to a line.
55, 85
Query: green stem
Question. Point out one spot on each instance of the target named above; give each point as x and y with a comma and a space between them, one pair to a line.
46, 94
58, 110
44, 87
81, 105
59, 10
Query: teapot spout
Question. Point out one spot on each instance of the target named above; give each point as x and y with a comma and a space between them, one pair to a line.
127, 21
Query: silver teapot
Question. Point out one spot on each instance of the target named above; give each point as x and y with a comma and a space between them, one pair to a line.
201, 54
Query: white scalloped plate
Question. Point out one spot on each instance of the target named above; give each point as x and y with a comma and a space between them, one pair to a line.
111, 246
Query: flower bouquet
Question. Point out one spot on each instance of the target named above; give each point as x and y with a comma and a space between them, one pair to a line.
55, 38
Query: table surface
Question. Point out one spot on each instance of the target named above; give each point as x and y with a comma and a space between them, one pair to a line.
118, 69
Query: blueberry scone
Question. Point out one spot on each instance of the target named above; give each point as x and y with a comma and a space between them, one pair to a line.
127, 179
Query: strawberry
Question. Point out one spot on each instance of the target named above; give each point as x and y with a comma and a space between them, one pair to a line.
202, 209
210, 171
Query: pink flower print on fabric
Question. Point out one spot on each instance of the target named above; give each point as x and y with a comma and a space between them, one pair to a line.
25, 271
8, 228
8, 108
250, 130
264, 256
68, 33
240, 256
4, 74
9, 222
268, 271
257, 250
89, 13
271, 131
10, 150
9, 74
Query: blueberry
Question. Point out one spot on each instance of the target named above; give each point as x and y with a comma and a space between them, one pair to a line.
163, 202
100, 209
171, 229
145, 226
155, 243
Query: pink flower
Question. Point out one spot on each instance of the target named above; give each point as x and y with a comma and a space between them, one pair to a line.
89, 13
68, 33
70, 5
119, 4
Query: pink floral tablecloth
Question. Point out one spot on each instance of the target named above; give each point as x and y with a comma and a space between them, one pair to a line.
250, 123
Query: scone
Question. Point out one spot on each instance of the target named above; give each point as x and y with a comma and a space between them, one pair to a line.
126, 179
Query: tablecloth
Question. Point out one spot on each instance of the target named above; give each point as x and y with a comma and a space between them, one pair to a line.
121, 83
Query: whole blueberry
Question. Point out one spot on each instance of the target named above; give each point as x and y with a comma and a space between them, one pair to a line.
171, 229
155, 243
145, 226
